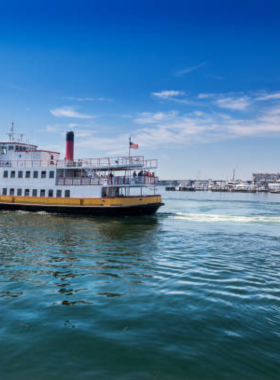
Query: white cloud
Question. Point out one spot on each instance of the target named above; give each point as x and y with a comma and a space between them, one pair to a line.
204, 96
266, 96
231, 103
167, 94
188, 70
89, 99
197, 127
82, 133
51, 128
105, 144
175, 128
152, 118
69, 112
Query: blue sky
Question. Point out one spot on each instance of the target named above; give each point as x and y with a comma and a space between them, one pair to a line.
194, 83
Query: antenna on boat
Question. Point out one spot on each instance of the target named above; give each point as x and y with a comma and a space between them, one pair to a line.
11, 134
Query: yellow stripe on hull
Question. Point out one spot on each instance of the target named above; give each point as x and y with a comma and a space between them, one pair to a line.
107, 202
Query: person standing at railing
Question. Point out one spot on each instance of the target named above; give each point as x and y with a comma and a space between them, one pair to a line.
111, 175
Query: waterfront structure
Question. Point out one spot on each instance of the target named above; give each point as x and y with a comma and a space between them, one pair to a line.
265, 178
274, 187
39, 180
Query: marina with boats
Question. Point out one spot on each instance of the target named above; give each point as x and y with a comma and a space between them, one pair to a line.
260, 183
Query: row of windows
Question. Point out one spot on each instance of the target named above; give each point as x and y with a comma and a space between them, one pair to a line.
36, 193
18, 148
27, 174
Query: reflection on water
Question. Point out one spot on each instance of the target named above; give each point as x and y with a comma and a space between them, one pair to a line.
192, 293
39, 247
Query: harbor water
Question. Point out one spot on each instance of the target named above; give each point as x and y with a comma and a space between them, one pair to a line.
191, 293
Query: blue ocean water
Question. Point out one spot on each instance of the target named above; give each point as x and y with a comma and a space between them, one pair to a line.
192, 293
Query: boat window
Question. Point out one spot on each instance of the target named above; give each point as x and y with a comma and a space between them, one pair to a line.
13, 174
52, 174
20, 174
104, 192
19, 192
67, 194
12, 191
34, 193
43, 174
5, 175
35, 174
3, 150
4, 192
26, 192
27, 174
42, 193
11, 147
58, 193
50, 194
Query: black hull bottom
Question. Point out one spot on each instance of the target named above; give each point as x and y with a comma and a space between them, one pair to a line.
149, 209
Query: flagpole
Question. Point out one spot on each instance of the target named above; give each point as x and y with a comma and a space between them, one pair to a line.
129, 147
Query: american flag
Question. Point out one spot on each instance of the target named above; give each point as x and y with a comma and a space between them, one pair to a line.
133, 146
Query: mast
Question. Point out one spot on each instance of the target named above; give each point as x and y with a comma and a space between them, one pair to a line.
129, 147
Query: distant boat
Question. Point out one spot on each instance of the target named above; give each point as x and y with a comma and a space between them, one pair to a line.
170, 188
183, 186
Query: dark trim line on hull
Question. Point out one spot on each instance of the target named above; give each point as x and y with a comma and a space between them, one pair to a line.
148, 209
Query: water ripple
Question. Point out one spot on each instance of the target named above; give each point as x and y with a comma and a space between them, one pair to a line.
193, 293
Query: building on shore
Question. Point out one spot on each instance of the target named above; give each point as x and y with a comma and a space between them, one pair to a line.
265, 178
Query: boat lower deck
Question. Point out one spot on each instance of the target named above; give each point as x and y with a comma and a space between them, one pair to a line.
120, 206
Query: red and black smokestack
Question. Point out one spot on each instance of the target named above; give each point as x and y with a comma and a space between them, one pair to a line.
70, 146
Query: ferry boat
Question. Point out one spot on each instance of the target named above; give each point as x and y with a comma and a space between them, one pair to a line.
32, 179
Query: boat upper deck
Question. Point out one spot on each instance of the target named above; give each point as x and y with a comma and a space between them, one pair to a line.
105, 163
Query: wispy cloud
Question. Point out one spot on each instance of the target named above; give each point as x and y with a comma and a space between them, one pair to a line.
204, 96
187, 70
52, 129
69, 112
88, 99
231, 101
239, 103
234, 116
266, 96
167, 94
205, 127
151, 118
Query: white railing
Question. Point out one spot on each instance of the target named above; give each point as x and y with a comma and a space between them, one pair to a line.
106, 163
109, 162
134, 180
108, 181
